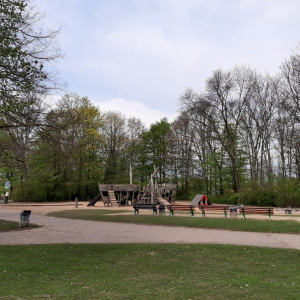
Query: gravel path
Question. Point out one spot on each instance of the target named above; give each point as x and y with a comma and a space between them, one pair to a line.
58, 230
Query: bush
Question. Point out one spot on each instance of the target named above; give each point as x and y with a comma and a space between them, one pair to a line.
288, 193
266, 198
231, 200
234, 199
263, 196
29, 192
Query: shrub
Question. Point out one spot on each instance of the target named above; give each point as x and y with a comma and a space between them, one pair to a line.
262, 196
29, 192
266, 198
231, 200
234, 199
288, 193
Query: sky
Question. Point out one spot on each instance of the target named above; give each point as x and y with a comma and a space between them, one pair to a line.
138, 56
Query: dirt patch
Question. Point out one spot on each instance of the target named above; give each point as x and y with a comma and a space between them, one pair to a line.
47, 207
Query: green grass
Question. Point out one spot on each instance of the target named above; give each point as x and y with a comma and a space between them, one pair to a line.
10, 225
278, 226
148, 271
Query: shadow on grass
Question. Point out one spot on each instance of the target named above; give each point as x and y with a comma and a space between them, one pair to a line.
11, 225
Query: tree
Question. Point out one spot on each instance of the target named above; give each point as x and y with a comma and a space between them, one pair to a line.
256, 126
221, 108
114, 134
290, 71
182, 136
65, 161
134, 147
157, 140
25, 48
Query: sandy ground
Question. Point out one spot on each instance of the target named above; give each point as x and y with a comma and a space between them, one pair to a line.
45, 208
57, 230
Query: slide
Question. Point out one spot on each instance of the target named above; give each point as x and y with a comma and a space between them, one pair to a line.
95, 200
200, 200
163, 201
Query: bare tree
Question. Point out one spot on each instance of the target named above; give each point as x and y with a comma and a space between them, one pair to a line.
25, 50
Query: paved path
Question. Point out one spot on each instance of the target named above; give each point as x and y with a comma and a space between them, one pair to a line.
57, 231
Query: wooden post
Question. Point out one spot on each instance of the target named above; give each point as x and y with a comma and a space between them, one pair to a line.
76, 202
130, 174
152, 190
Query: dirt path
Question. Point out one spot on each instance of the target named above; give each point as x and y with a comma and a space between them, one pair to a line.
57, 230
42, 208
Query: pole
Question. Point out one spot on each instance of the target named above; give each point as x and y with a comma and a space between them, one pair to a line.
76, 202
130, 174
152, 190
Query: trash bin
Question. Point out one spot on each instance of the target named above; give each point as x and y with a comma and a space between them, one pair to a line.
233, 212
5, 198
162, 209
25, 217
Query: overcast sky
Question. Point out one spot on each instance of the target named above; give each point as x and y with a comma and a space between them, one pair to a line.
138, 56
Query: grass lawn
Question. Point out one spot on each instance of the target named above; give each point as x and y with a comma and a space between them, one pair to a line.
10, 225
148, 271
278, 226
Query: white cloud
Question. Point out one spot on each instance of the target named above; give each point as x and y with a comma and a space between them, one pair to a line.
135, 109
51, 100
150, 51
129, 108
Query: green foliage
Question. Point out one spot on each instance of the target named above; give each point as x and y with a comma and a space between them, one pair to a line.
156, 148
262, 196
282, 193
61, 163
24, 48
287, 193
226, 199
186, 195
29, 192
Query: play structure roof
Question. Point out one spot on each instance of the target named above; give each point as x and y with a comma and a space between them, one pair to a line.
197, 199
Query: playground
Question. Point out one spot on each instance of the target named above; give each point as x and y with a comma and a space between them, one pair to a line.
105, 225
133, 243
45, 208
129, 194
72, 258
100, 253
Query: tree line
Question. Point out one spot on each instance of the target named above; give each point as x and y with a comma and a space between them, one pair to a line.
237, 139
244, 133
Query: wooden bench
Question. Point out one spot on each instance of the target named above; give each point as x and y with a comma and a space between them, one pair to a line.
214, 208
181, 207
137, 207
256, 211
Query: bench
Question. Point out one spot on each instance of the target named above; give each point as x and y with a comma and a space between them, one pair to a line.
181, 207
288, 211
137, 207
214, 208
256, 211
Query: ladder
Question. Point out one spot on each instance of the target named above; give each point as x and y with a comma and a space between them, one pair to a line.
112, 198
